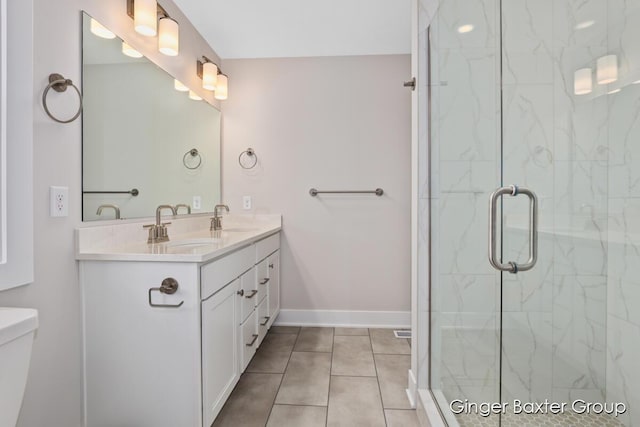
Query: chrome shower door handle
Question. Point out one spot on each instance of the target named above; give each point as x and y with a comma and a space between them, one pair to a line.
511, 266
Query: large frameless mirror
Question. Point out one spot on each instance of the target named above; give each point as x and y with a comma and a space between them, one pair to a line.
145, 142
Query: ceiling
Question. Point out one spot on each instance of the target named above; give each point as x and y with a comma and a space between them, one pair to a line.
293, 28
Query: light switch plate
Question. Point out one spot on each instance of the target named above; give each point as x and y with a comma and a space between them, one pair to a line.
197, 202
59, 201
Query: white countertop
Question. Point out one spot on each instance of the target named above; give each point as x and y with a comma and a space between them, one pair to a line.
190, 239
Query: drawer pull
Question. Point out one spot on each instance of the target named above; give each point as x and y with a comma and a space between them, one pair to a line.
241, 292
252, 294
271, 265
266, 320
264, 281
168, 286
253, 341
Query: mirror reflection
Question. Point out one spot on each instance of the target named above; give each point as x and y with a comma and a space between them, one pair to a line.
145, 141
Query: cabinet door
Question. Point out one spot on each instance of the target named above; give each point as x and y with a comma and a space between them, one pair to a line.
219, 349
274, 286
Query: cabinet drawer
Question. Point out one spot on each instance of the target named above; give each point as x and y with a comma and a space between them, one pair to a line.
263, 319
218, 273
262, 279
248, 339
267, 246
248, 294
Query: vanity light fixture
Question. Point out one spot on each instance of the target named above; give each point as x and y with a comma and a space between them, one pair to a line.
168, 36
222, 88
129, 51
179, 86
607, 69
208, 72
582, 83
145, 16
194, 96
101, 31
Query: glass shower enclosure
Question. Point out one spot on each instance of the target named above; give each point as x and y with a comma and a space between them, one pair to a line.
535, 121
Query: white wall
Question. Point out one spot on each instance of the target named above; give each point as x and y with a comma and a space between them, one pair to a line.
340, 123
53, 395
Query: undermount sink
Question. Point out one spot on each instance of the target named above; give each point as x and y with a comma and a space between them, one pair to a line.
191, 243
239, 229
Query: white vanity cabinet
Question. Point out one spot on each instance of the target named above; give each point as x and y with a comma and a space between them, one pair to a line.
172, 359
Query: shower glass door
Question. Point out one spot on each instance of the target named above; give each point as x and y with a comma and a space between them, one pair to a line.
543, 95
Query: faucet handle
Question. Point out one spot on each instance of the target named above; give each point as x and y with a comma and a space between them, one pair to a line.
166, 223
149, 226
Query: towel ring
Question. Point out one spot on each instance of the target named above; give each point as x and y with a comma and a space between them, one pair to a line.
250, 153
193, 153
60, 84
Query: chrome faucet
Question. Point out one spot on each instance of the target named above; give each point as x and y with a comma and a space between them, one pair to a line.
183, 205
110, 206
216, 220
158, 231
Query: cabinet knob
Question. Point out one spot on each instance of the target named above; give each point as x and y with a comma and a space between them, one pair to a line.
241, 292
271, 265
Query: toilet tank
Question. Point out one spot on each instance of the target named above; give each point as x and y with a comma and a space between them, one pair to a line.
17, 328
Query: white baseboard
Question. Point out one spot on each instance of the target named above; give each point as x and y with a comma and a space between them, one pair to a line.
345, 319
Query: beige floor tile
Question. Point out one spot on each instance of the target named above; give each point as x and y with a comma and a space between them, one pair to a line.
401, 418
392, 375
284, 329
352, 356
315, 339
297, 416
352, 331
384, 342
273, 355
354, 402
250, 403
306, 380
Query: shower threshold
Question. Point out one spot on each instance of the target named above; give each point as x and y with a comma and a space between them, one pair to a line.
569, 419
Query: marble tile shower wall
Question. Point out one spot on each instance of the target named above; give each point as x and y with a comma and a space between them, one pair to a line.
572, 325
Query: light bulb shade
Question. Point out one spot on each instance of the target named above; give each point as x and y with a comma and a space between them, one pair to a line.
145, 17
179, 86
168, 37
607, 69
209, 76
194, 96
582, 83
222, 88
129, 51
99, 30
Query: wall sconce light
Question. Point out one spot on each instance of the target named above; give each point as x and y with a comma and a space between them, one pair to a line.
208, 72
145, 20
222, 88
145, 16
168, 37
179, 86
194, 96
582, 83
99, 30
607, 69
129, 51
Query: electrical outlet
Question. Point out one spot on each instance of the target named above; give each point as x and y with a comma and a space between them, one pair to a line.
197, 202
246, 203
59, 201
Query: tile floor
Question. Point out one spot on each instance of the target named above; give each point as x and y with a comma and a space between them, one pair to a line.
307, 377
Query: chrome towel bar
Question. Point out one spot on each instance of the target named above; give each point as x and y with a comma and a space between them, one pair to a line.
377, 192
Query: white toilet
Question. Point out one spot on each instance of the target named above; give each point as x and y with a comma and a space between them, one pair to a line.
17, 328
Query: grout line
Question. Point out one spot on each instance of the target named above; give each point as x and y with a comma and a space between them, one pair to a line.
281, 379
375, 365
333, 338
